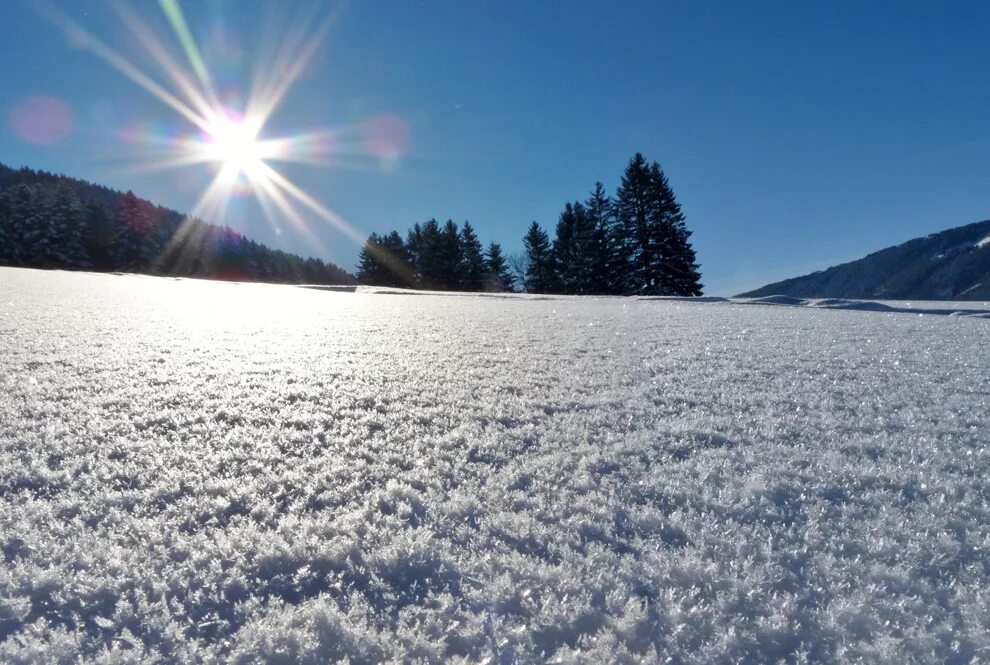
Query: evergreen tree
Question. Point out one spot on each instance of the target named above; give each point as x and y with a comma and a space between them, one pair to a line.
652, 238
371, 271
26, 230
566, 251
676, 271
472, 267
540, 277
632, 249
601, 219
6, 230
450, 257
99, 236
414, 254
430, 266
497, 277
66, 225
396, 259
135, 250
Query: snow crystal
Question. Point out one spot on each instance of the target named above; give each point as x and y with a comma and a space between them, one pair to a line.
211, 472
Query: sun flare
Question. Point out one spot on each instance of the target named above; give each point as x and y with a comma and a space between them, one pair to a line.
231, 138
234, 144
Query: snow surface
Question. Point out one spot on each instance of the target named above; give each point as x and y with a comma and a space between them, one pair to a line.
207, 472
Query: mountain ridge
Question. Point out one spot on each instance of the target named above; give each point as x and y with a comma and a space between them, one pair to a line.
953, 264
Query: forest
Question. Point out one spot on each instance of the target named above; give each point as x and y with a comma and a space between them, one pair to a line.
52, 221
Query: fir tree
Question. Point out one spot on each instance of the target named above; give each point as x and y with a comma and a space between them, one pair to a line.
414, 254
472, 266
632, 248
449, 257
371, 271
66, 226
6, 231
540, 277
567, 251
430, 266
135, 250
497, 277
678, 270
396, 260
599, 211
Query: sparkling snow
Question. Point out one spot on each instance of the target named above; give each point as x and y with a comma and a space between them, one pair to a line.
208, 472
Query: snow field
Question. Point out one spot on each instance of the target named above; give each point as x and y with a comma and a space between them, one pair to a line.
206, 472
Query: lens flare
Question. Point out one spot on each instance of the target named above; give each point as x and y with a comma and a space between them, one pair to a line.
41, 119
233, 138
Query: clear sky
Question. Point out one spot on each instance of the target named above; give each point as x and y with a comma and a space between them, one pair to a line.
795, 134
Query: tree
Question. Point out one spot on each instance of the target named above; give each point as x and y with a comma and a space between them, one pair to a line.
497, 277
449, 257
66, 223
6, 228
652, 239
676, 271
601, 219
540, 276
383, 261
631, 246
135, 250
429, 260
567, 251
99, 236
371, 271
472, 266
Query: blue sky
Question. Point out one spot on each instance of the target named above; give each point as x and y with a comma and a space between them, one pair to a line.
795, 135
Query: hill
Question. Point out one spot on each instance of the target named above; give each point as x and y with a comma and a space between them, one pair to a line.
951, 265
52, 221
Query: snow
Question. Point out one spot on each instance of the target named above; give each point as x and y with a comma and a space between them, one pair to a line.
983, 243
214, 472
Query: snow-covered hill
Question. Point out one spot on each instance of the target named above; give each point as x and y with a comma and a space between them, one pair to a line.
213, 472
949, 265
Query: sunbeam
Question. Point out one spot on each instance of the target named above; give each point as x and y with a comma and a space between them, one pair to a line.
230, 138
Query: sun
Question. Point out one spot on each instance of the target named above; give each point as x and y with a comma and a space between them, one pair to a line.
233, 138
234, 144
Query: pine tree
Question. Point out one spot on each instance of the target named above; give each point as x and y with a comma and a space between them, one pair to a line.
674, 270
540, 277
99, 236
472, 267
430, 265
371, 271
497, 277
414, 254
585, 250
396, 260
632, 247
6, 228
599, 207
136, 250
450, 257
66, 225
25, 232
566, 251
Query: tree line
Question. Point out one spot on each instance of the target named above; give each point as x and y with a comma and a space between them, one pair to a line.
51, 221
633, 242
446, 258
